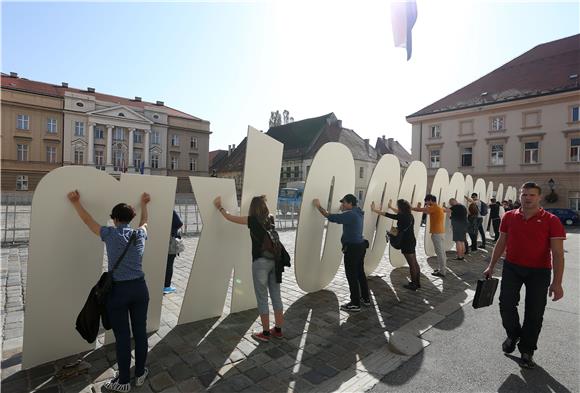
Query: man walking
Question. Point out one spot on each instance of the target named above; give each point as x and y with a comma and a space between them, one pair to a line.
481, 212
437, 229
354, 247
494, 218
534, 240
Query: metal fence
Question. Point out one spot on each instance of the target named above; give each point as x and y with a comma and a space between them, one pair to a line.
15, 219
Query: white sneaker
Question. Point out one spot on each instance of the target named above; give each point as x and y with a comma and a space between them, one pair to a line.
139, 381
115, 386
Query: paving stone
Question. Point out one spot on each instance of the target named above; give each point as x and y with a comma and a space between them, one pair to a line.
161, 381
256, 374
239, 382
314, 377
201, 367
208, 378
191, 385
275, 353
180, 372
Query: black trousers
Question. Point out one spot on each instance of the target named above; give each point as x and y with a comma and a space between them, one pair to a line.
481, 231
354, 257
495, 223
169, 269
473, 237
537, 282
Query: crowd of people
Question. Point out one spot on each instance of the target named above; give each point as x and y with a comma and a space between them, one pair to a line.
532, 237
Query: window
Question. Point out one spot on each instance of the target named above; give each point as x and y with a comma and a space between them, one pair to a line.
154, 161
119, 134
361, 172
296, 171
193, 143
22, 152
531, 152
434, 158
575, 113
531, 119
51, 154
155, 138
360, 197
575, 149
22, 183
435, 131
466, 127
307, 169
51, 125
137, 160
574, 200
192, 164
118, 160
467, 156
23, 122
137, 136
79, 157
174, 163
288, 172
100, 159
174, 140
79, 128
80, 104
497, 154
99, 133
498, 123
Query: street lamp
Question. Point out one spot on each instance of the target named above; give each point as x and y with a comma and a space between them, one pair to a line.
551, 184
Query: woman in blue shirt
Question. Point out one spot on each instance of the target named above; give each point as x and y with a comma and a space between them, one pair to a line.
129, 297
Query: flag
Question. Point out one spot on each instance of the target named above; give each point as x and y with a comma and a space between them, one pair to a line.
403, 18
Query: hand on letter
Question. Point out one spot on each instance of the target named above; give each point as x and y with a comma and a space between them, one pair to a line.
316, 202
217, 202
145, 198
73, 196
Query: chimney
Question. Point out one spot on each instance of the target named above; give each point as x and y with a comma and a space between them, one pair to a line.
91, 89
64, 84
339, 123
14, 74
138, 99
159, 103
367, 141
229, 150
383, 137
233, 147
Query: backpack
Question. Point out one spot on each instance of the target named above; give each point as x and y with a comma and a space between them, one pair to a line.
484, 209
271, 242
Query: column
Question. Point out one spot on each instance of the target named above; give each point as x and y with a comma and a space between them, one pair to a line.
146, 152
130, 166
91, 160
109, 148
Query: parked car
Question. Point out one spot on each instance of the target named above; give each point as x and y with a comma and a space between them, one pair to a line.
567, 216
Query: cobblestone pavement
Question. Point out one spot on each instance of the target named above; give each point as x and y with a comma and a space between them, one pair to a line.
324, 349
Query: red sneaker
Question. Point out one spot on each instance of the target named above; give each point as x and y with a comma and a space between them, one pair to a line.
274, 333
261, 337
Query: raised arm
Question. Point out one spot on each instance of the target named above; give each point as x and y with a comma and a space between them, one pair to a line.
468, 199
75, 198
375, 210
322, 210
145, 198
419, 208
243, 220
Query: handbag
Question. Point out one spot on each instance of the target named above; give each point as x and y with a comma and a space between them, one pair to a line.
176, 245
395, 237
94, 310
485, 292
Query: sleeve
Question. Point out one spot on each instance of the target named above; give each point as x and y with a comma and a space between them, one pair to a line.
142, 232
505, 222
251, 222
391, 215
105, 232
557, 230
339, 218
177, 223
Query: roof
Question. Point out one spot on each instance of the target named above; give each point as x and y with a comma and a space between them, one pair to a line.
543, 70
391, 146
215, 157
302, 139
29, 86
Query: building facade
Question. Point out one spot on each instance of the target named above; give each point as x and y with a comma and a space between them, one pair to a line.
84, 127
519, 123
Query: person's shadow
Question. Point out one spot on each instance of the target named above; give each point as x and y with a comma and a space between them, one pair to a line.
536, 380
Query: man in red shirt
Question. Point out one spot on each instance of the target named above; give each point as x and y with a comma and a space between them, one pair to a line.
534, 240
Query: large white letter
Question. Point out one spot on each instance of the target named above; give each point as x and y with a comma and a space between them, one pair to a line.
383, 185
333, 161
455, 190
439, 190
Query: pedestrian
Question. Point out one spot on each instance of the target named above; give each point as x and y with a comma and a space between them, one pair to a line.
176, 224
481, 212
437, 230
260, 222
511, 204
494, 217
472, 224
534, 240
129, 296
354, 247
405, 225
458, 226
506, 206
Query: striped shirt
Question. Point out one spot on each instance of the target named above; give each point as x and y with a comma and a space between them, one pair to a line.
116, 239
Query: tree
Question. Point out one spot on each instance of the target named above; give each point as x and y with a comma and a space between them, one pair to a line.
277, 119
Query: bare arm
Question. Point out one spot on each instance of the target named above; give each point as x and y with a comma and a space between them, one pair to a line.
498, 251
375, 210
556, 290
322, 210
145, 198
243, 220
468, 199
75, 198
419, 208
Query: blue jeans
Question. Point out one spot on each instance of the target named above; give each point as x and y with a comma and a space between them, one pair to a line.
264, 276
129, 299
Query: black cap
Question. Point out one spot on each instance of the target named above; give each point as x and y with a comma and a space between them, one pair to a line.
349, 198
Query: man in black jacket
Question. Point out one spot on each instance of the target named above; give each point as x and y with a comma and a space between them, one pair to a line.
494, 218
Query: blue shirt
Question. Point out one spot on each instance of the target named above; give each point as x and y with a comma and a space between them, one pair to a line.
352, 225
116, 239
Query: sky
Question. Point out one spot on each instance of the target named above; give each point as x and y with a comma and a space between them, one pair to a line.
232, 63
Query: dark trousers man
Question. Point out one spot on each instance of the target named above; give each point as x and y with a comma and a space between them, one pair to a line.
169, 270
537, 282
495, 223
481, 232
354, 256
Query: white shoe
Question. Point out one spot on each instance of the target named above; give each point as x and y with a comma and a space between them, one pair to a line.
115, 386
139, 381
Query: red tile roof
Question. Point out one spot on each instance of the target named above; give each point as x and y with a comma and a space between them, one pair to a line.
543, 70
21, 84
